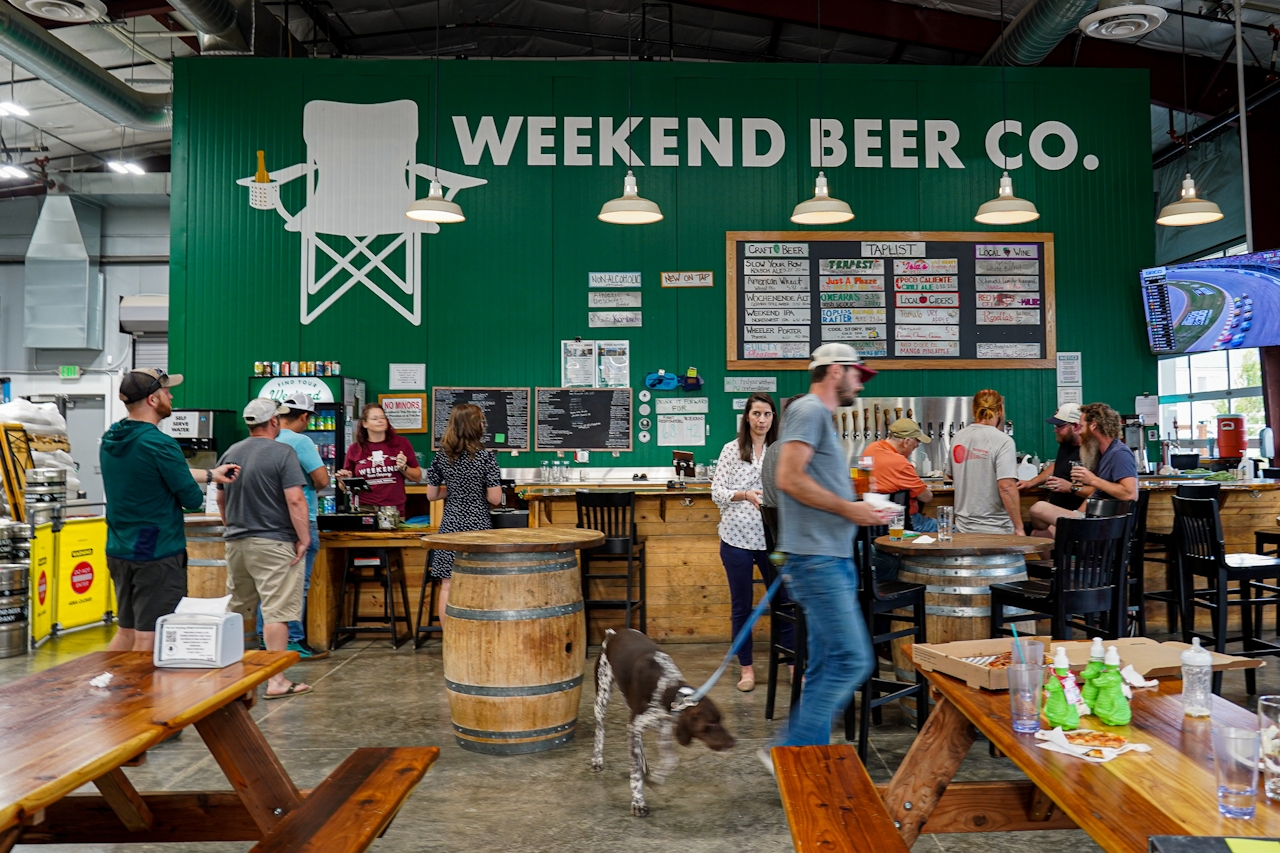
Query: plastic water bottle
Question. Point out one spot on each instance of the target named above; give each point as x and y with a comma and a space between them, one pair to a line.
1197, 680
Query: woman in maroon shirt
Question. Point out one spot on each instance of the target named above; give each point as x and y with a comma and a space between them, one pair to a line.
385, 460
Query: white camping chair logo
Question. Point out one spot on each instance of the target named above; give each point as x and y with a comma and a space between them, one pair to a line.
361, 178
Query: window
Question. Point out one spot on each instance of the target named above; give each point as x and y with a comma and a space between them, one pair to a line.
1195, 389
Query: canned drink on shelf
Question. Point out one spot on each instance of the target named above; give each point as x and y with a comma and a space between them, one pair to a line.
257, 368
293, 368
275, 368
337, 368
326, 368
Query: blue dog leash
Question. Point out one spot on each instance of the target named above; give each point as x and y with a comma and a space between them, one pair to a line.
688, 699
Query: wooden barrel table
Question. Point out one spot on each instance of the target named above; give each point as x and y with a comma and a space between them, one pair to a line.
515, 637
957, 578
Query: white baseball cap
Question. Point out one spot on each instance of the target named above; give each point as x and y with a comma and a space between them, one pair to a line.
1068, 413
261, 411
840, 354
300, 403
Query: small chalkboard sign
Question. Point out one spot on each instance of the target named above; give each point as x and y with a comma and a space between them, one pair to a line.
583, 419
506, 414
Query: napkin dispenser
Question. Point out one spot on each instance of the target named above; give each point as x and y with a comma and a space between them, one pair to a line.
200, 634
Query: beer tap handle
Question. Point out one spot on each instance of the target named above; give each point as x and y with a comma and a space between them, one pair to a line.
911, 413
855, 424
877, 433
897, 413
866, 424
929, 432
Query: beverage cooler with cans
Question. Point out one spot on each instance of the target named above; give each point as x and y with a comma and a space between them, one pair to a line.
338, 400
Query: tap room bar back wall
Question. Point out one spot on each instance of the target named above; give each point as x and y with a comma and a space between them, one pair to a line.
725, 148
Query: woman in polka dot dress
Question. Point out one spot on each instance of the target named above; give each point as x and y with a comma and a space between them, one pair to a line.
736, 489
465, 473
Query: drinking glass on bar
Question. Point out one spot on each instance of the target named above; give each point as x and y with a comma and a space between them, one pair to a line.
1032, 651
1269, 725
897, 522
1235, 758
946, 523
1026, 692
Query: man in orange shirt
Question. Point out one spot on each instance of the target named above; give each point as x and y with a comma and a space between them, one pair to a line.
892, 472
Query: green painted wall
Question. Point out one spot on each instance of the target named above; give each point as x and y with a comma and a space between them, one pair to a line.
502, 289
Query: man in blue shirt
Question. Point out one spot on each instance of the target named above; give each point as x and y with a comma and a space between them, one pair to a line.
292, 426
819, 519
1108, 466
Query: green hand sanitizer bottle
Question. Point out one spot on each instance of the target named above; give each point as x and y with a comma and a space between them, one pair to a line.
1111, 707
1089, 690
1061, 694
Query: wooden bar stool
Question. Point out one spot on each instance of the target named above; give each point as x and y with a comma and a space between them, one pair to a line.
384, 568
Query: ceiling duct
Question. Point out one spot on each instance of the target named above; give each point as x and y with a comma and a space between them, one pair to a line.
1119, 19
66, 11
1036, 31
31, 46
144, 315
62, 295
237, 28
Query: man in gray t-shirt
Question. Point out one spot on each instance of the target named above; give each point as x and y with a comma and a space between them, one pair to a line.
268, 531
819, 519
984, 466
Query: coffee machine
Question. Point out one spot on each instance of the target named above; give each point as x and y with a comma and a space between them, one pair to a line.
1135, 438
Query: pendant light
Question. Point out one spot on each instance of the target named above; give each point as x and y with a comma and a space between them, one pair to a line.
1006, 208
630, 208
1189, 209
822, 209
435, 207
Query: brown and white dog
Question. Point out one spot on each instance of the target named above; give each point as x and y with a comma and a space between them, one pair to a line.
653, 688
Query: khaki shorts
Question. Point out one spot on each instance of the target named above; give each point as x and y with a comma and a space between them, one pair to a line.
258, 572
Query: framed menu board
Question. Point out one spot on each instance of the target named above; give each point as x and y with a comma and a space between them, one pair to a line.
582, 419
904, 300
506, 414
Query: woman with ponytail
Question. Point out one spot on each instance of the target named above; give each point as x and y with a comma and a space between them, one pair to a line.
984, 466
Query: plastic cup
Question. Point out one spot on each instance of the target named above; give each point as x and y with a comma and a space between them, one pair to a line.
1235, 758
897, 522
1032, 651
1026, 691
946, 523
1269, 728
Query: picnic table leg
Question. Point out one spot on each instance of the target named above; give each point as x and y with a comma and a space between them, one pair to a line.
124, 800
9, 838
928, 768
251, 766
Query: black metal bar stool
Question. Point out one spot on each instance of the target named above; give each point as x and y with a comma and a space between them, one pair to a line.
375, 566
432, 627
779, 654
614, 515
1154, 542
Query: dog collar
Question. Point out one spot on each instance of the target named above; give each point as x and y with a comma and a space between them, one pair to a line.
684, 699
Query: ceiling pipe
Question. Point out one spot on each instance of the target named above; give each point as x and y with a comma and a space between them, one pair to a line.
31, 46
1169, 153
217, 23
1036, 31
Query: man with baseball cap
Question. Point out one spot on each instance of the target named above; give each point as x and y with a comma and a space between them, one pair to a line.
147, 484
1057, 480
893, 472
293, 424
819, 519
268, 532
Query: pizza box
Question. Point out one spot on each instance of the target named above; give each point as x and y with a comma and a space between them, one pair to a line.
1148, 657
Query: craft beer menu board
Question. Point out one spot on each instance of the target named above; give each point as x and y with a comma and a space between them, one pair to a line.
903, 300
583, 419
506, 414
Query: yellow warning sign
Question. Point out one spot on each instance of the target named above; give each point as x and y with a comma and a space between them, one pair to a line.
83, 579
42, 582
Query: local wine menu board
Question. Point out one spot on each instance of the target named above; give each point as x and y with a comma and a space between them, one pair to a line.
506, 414
582, 419
906, 300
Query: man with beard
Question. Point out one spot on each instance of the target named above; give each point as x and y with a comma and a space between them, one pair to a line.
1057, 479
147, 484
819, 519
1107, 466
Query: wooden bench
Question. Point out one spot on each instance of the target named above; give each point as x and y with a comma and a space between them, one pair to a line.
831, 803
354, 805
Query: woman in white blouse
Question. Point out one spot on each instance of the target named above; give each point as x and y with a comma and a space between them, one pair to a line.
736, 489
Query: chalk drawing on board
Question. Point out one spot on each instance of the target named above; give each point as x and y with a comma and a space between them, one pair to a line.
361, 177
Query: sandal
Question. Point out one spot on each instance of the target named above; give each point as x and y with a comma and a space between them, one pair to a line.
295, 689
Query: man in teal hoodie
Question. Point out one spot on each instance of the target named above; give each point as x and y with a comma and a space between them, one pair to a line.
147, 484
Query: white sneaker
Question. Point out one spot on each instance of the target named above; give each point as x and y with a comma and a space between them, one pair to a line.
766, 758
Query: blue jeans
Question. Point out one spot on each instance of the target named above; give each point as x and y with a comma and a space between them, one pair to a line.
739, 568
840, 655
298, 630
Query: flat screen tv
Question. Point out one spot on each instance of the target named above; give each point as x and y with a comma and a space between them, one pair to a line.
1222, 303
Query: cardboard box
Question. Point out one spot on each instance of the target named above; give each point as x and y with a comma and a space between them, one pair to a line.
1148, 657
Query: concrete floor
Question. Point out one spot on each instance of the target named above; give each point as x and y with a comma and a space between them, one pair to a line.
369, 695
